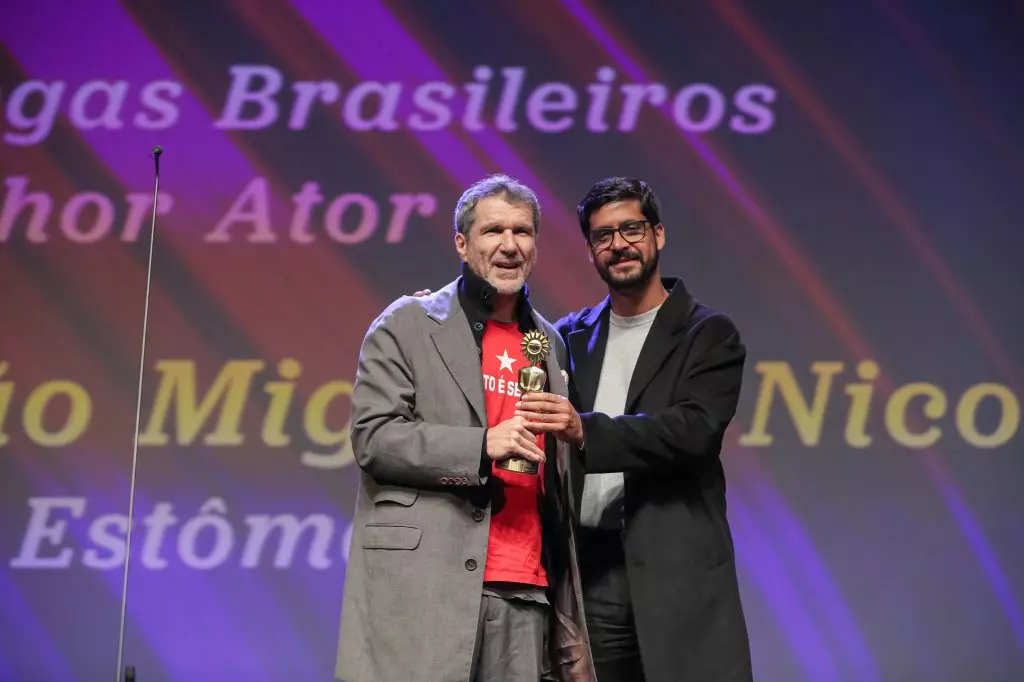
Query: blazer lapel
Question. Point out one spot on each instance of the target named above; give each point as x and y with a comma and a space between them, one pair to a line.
559, 455
656, 349
586, 353
556, 384
457, 348
661, 340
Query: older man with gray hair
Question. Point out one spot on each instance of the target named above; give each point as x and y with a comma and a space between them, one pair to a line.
462, 568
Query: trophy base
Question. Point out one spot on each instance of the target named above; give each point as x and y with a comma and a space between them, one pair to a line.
518, 465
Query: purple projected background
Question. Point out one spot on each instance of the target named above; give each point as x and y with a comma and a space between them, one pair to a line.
840, 179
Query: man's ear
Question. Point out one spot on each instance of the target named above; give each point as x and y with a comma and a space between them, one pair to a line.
460, 245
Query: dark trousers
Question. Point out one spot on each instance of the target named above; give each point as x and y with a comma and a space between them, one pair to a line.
609, 609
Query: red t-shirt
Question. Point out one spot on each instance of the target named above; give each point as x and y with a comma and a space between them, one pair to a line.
514, 544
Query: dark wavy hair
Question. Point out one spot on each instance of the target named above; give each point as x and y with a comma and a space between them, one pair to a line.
618, 189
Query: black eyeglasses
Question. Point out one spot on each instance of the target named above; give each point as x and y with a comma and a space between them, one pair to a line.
632, 231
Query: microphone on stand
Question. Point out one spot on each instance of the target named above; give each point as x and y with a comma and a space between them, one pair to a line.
129, 671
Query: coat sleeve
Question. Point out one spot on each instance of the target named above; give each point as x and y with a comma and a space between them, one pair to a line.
389, 441
693, 426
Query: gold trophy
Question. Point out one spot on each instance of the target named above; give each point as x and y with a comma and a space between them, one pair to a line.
535, 349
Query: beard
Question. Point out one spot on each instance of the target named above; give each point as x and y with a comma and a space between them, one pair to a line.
636, 278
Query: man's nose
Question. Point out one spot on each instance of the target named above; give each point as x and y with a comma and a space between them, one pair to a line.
508, 241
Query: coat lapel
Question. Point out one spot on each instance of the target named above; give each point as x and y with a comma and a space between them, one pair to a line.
657, 347
586, 350
556, 384
561, 474
661, 340
457, 348
586, 354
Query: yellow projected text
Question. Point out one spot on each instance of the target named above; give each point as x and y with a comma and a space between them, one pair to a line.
910, 414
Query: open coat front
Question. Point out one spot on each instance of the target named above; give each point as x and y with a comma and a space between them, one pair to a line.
414, 581
678, 544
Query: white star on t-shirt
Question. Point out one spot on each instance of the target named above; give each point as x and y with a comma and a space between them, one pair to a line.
505, 360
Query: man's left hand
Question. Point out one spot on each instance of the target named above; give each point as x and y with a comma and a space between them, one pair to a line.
550, 413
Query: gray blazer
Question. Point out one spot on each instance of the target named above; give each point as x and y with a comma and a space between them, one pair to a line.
414, 580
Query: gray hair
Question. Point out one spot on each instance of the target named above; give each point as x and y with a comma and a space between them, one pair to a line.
494, 185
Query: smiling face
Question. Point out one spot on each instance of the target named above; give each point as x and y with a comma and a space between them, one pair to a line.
626, 259
500, 244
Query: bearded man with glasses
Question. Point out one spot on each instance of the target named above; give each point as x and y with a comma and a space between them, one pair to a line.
655, 378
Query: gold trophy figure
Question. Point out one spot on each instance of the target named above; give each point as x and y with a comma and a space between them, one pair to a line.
535, 347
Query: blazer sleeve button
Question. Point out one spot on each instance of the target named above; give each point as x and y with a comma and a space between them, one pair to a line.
470, 564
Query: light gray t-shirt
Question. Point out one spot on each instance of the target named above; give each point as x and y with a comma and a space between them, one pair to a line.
602, 493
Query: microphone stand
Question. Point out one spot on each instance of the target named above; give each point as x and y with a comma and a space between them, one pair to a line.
129, 672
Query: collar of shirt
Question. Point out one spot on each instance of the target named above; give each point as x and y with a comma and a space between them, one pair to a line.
477, 295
